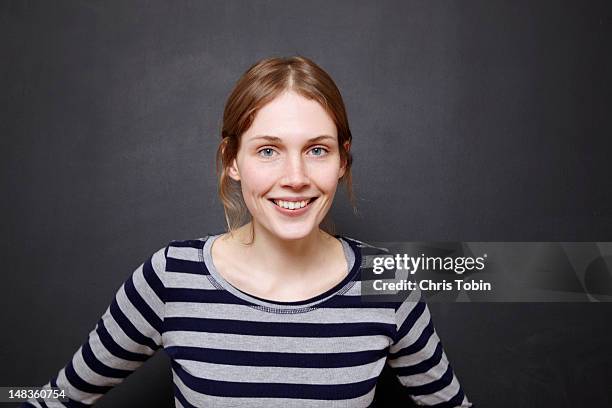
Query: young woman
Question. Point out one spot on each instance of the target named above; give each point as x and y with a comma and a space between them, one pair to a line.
268, 314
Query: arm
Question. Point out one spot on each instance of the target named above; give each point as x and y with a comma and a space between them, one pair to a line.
128, 333
418, 359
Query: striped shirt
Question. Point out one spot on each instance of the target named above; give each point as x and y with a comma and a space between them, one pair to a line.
231, 349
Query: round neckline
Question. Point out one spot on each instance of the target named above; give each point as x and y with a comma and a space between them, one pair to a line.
279, 306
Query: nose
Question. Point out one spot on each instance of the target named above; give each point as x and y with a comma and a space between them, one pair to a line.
296, 172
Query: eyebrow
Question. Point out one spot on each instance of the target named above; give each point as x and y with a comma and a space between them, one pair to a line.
279, 140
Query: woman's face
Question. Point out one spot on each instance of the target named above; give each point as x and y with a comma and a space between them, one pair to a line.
288, 165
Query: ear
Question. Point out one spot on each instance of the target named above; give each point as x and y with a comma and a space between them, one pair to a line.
347, 147
233, 172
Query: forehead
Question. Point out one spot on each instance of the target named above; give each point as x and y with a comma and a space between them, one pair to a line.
290, 115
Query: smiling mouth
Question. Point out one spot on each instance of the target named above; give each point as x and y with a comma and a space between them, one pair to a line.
293, 205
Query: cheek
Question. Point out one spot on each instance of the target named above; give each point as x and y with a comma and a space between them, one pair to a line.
255, 180
326, 177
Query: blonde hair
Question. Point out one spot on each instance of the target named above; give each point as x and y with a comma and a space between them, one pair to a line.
260, 84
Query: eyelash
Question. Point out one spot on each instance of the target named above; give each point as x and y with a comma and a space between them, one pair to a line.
325, 150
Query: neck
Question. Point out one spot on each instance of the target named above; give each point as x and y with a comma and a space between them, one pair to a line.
284, 257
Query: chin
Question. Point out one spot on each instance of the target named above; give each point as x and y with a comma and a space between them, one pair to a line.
293, 233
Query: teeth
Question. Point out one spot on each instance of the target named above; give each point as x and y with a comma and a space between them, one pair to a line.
291, 205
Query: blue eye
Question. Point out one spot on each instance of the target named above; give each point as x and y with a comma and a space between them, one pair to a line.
318, 151
266, 150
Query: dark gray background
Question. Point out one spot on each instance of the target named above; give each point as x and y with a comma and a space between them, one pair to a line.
472, 121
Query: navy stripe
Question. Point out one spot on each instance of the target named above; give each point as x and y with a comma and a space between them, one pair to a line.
128, 327
259, 328
275, 359
99, 367
223, 297
273, 390
179, 395
78, 383
422, 366
417, 345
434, 386
30, 405
185, 266
70, 403
153, 280
189, 243
203, 296
115, 348
386, 274
142, 306
411, 319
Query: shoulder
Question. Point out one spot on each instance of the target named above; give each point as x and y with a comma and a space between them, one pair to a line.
177, 246
367, 251
371, 254
185, 250
179, 255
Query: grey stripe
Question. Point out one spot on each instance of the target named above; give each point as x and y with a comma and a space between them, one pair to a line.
87, 374
412, 359
147, 293
184, 253
355, 290
423, 378
275, 343
121, 338
406, 307
414, 332
247, 313
75, 393
140, 323
444, 394
188, 281
108, 358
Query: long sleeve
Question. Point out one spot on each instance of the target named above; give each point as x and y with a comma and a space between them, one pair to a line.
128, 334
418, 358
